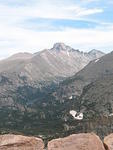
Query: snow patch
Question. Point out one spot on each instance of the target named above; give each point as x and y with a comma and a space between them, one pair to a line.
111, 114
71, 97
79, 117
67, 53
97, 60
73, 113
75, 116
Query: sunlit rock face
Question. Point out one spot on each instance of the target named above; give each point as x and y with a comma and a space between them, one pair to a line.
19, 142
108, 141
83, 141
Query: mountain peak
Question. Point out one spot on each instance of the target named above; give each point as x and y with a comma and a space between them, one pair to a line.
95, 51
61, 47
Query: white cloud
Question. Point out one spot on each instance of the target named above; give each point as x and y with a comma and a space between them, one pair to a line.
89, 1
45, 9
87, 12
31, 41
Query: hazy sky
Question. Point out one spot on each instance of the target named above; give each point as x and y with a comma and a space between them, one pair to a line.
32, 25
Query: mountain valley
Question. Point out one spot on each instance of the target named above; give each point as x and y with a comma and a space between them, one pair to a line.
37, 93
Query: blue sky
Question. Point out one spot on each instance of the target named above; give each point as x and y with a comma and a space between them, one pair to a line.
32, 25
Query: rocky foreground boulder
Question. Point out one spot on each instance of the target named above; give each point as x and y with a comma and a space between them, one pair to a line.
83, 141
19, 142
108, 141
88, 141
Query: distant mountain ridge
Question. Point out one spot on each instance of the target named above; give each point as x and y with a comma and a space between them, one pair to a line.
95, 69
51, 64
21, 55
